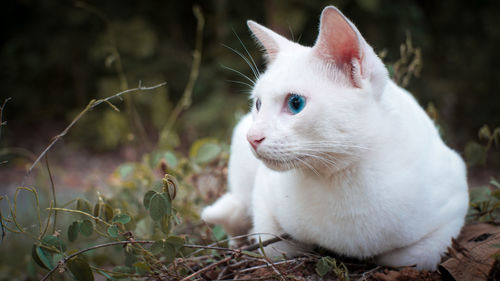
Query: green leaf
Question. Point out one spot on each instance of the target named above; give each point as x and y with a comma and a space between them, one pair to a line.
123, 269
73, 230
121, 218
218, 232
53, 241
125, 170
323, 266
494, 182
147, 198
44, 258
158, 206
261, 247
480, 194
113, 231
86, 227
475, 153
169, 252
484, 133
157, 247
165, 224
141, 268
84, 205
252, 254
171, 159
176, 241
81, 269
204, 150
38, 260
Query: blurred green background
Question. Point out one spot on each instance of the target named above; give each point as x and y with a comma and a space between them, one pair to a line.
55, 56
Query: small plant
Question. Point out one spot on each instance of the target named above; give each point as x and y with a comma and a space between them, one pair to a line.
328, 264
485, 202
477, 153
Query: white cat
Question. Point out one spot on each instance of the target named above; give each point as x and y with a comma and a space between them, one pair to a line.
347, 160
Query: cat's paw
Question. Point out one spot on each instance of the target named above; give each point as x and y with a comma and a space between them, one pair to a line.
229, 212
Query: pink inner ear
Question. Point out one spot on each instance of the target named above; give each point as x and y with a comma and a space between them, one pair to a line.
337, 40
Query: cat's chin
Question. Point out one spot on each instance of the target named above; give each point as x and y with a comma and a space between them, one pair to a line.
279, 165
276, 165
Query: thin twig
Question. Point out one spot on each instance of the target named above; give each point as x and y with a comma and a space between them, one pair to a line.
211, 248
185, 101
3, 123
208, 267
53, 193
256, 246
82, 213
91, 105
250, 247
276, 263
116, 60
63, 261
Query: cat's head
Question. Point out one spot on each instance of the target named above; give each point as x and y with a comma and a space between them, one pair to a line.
314, 107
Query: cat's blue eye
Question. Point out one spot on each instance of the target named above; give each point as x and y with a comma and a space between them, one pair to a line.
257, 104
295, 103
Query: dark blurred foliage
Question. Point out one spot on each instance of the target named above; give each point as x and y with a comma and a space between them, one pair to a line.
54, 54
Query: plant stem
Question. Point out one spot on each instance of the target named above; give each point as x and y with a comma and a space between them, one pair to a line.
185, 101
63, 261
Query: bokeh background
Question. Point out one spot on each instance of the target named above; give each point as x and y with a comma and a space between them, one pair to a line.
55, 57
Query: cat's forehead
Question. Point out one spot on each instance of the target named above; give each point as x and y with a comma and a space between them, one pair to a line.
296, 70
290, 69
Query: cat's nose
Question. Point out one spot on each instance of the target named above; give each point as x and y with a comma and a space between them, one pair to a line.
255, 140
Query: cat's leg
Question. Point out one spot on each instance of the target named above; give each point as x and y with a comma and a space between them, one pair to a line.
427, 252
229, 212
232, 210
266, 227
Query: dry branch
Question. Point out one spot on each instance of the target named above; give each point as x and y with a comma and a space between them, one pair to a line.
90, 106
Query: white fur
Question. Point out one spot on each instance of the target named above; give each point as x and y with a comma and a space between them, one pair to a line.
361, 170
233, 210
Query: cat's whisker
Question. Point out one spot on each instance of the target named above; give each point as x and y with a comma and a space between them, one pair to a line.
238, 72
255, 72
325, 161
333, 143
240, 82
309, 166
333, 147
248, 53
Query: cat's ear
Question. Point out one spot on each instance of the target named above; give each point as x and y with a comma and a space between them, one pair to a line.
270, 41
340, 43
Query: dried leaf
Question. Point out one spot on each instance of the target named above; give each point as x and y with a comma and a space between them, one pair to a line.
84, 205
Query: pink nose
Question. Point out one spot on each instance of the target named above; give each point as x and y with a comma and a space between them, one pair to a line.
255, 140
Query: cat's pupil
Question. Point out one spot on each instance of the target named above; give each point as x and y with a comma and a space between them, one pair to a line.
295, 103
257, 104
